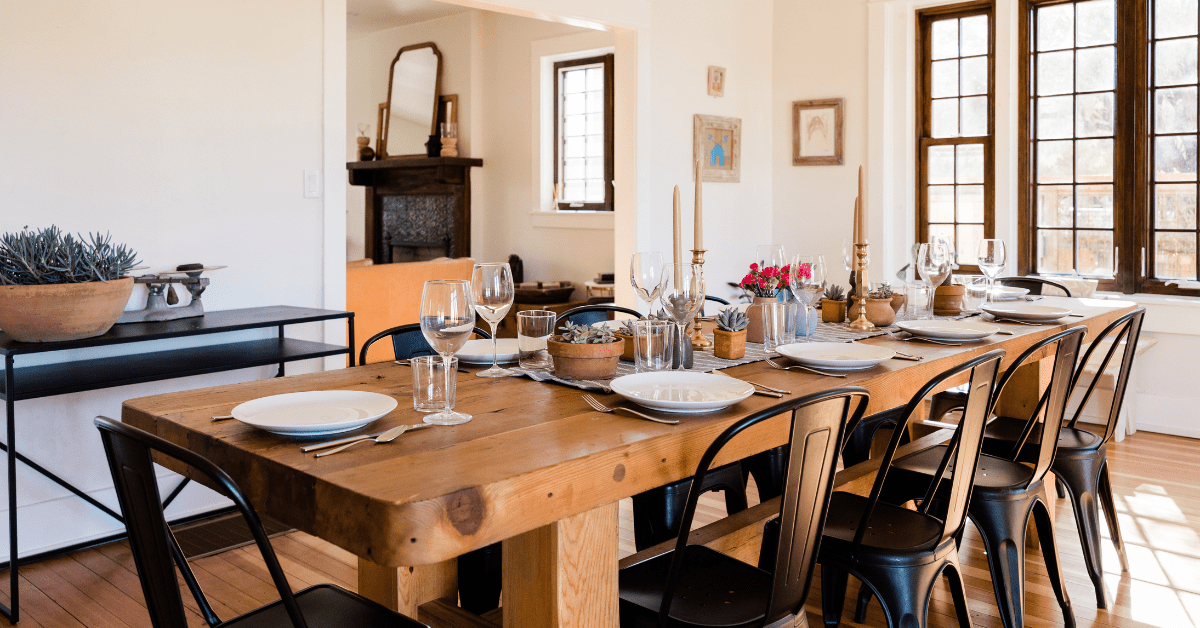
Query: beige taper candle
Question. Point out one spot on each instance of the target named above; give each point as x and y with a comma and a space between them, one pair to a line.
699, 235
678, 249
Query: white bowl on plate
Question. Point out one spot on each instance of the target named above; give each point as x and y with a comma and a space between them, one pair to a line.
673, 391
1022, 311
948, 330
836, 355
480, 351
314, 413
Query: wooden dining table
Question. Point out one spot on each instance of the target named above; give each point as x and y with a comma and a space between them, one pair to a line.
537, 468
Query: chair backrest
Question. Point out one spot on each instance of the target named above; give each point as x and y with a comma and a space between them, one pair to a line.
709, 297
154, 547
1034, 285
818, 424
407, 342
1127, 328
962, 451
591, 314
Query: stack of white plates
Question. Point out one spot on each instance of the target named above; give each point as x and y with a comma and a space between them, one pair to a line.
314, 413
673, 391
1007, 293
955, 331
846, 356
480, 351
1023, 311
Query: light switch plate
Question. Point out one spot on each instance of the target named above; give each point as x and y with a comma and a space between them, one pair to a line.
312, 184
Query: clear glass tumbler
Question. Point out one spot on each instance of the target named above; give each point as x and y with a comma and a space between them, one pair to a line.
779, 324
652, 345
433, 390
534, 328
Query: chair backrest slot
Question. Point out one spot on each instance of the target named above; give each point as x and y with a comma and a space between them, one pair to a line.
1129, 329
407, 342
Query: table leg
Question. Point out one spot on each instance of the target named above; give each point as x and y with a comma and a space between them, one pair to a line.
403, 589
564, 575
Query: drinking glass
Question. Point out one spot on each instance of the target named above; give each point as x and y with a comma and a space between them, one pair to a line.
652, 347
991, 262
646, 274
770, 255
975, 293
492, 290
683, 295
933, 260
431, 387
447, 319
534, 328
806, 276
779, 324
916, 298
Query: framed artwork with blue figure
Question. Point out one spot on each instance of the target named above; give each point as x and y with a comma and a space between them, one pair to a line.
717, 144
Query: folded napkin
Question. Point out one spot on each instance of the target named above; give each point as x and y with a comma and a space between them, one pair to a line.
546, 376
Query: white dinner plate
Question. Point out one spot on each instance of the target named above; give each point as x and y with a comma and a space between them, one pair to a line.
948, 330
314, 413
1024, 311
682, 392
480, 351
1008, 293
837, 355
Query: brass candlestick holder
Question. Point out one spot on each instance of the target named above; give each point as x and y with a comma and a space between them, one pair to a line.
699, 340
860, 277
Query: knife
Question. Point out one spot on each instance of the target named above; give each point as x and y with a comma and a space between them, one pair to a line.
343, 441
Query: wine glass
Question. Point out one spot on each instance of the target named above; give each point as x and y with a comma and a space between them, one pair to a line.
683, 295
991, 262
933, 261
492, 291
770, 255
806, 275
447, 319
646, 274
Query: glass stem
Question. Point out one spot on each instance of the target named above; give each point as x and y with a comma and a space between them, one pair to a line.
446, 390
990, 299
494, 367
682, 339
932, 291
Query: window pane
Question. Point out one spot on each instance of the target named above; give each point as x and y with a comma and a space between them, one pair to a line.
1054, 162
974, 76
1094, 115
595, 79
941, 164
944, 39
1175, 158
970, 203
973, 37
945, 78
1054, 117
1175, 255
572, 104
573, 147
595, 146
1055, 27
945, 118
574, 125
1093, 160
1095, 251
1175, 110
969, 237
974, 116
595, 169
1095, 22
1175, 206
970, 164
1054, 206
573, 191
1094, 206
941, 203
943, 231
1054, 251
1096, 69
573, 81
595, 102
595, 124
1174, 18
1175, 62
1055, 73
573, 169
594, 191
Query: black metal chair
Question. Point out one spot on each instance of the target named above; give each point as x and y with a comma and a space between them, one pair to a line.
1081, 464
1034, 285
899, 554
407, 342
693, 585
1006, 493
591, 314
155, 549
709, 297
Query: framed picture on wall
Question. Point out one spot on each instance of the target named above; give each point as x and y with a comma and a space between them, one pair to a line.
817, 132
717, 143
716, 81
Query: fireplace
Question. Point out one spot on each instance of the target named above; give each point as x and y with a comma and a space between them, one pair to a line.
417, 208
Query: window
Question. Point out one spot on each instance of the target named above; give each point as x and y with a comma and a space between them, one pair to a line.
955, 155
583, 134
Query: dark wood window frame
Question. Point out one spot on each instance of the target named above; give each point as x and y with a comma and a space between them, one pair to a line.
607, 62
924, 118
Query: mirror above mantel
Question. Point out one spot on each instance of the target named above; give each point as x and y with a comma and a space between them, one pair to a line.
409, 117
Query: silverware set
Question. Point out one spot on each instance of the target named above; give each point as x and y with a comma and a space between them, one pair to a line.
378, 437
909, 338
600, 407
796, 367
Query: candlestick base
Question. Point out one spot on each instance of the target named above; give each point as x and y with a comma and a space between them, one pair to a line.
860, 279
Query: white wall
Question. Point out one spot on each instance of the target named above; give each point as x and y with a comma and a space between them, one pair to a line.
182, 129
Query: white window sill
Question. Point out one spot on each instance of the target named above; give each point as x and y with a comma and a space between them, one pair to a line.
1165, 314
572, 220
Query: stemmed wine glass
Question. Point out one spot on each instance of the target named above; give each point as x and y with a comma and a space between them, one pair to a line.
770, 255
933, 260
683, 296
646, 274
447, 318
806, 276
991, 262
492, 290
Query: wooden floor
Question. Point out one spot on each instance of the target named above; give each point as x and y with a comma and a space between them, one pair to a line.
1156, 480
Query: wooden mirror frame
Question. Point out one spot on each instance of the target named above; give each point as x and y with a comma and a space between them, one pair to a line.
385, 108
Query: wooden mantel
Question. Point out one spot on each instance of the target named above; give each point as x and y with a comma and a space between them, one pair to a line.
450, 176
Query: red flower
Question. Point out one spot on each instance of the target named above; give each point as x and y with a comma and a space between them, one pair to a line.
753, 267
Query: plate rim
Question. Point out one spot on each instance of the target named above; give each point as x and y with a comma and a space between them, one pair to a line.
703, 407
1018, 314
984, 334
872, 361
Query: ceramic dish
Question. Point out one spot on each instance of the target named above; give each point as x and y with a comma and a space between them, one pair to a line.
1023, 311
1008, 293
480, 351
314, 413
948, 330
836, 355
682, 392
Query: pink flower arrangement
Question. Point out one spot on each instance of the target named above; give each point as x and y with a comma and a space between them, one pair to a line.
767, 281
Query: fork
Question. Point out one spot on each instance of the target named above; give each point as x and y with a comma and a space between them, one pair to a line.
922, 338
797, 367
599, 407
1015, 322
767, 389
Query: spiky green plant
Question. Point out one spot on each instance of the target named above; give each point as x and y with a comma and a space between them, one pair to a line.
586, 334
883, 291
49, 256
834, 292
731, 319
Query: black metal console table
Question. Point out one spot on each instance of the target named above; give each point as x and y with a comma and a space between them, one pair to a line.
32, 382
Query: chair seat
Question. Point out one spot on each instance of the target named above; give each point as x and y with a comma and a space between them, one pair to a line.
1002, 432
715, 590
896, 534
992, 475
325, 606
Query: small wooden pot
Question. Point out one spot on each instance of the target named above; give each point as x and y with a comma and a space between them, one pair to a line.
833, 311
585, 361
730, 345
880, 312
898, 302
754, 331
627, 354
947, 300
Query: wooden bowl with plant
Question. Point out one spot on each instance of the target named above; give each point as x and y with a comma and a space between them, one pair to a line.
585, 352
729, 338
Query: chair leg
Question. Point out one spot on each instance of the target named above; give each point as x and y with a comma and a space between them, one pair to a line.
864, 600
833, 594
958, 590
479, 576
767, 469
1045, 531
1060, 487
904, 593
1002, 526
1105, 495
1081, 475
656, 512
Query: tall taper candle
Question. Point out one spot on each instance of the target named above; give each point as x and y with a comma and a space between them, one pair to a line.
678, 240
860, 225
699, 236
857, 222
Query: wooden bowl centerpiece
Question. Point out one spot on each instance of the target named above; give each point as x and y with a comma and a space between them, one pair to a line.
585, 352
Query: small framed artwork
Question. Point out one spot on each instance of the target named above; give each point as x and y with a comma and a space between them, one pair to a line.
817, 132
717, 143
716, 81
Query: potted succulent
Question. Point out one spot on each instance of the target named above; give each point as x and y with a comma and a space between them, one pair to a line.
764, 283
729, 338
879, 306
625, 333
833, 304
585, 352
56, 286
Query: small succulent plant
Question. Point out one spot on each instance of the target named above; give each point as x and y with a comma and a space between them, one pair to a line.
731, 319
49, 256
883, 291
586, 334
834, 292
627, 327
